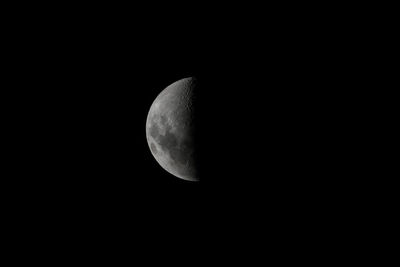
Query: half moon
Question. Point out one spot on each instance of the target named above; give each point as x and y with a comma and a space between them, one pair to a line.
170, 129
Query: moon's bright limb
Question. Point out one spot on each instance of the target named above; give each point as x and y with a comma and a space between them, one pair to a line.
169, 129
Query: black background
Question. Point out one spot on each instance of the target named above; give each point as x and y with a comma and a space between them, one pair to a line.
86, 80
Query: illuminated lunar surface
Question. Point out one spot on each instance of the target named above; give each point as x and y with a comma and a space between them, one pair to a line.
169, 129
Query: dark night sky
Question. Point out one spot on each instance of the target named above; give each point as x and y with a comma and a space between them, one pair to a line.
95, 97
89, 85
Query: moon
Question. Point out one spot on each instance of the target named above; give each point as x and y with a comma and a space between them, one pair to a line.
170, 129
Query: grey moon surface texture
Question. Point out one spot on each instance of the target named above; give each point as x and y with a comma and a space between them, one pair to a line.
170, 129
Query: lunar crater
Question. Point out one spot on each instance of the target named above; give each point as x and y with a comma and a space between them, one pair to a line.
153, 148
